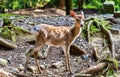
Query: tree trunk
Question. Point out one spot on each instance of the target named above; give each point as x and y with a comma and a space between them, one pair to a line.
80, 4
68, 4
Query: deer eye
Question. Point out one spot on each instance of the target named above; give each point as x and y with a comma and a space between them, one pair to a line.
78, 19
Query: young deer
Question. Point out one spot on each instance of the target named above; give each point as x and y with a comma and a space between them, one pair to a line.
57, 36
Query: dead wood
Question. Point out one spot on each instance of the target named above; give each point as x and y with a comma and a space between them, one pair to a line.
109, 37
7, 44
88, 30
75, 50
94, 69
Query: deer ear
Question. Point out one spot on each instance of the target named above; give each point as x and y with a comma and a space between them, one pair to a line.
72, 13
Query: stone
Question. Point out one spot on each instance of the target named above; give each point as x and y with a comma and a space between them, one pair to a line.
108, 7
75, 50
39, 55
3, 62
21, 68
57, 64
116, 14
42, 66
32, 69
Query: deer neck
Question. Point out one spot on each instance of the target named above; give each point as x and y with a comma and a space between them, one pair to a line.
76, 29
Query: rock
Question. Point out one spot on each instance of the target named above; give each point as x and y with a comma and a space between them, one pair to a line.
49, 72
5, 74
39, 54
42, 66
3, 62
75, 50
108, 7
85, 57
32, 69
116, 14
57, 64
21, 68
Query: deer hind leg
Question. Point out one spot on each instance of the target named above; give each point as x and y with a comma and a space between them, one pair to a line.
34, 51
67, 56
27, 59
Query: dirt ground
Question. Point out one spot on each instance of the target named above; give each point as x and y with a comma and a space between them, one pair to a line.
17, 57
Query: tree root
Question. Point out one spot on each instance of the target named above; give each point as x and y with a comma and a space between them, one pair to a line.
7, 44
102, 26
89, 72
94, 69
88, 30
109, 37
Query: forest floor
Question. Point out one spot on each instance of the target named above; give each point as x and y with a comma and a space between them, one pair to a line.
17, 57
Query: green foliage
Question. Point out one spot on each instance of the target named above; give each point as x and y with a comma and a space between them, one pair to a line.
110, 73
95, 26
94, 29
6, 15
10, 31
19, 4
94, 4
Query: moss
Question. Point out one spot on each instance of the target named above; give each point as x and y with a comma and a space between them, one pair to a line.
108, 7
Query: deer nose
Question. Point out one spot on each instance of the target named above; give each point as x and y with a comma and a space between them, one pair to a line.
81, 25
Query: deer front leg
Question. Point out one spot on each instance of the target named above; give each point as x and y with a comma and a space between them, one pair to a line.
67, 60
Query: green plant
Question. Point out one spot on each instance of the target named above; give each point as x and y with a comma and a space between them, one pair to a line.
94, 4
